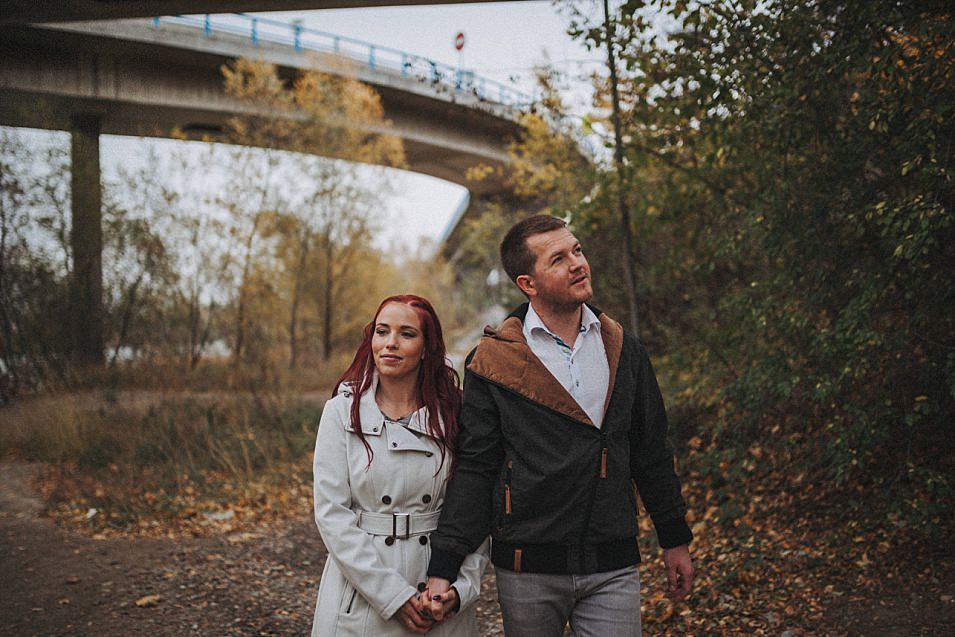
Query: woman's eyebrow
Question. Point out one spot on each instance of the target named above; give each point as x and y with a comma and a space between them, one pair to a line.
400, 327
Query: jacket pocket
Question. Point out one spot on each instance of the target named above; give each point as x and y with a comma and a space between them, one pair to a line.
348, 599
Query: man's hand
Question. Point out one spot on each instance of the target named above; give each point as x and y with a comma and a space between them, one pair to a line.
410, 617
437, 593
679, 571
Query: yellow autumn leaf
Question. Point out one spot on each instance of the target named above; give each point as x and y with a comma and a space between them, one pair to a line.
148, 601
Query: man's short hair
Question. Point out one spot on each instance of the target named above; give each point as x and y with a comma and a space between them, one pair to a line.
516, 257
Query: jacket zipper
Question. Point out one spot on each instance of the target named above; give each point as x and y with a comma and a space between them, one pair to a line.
600, 475
507, 487
603, 456
351, 601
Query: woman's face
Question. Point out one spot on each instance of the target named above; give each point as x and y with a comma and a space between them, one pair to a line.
398, 342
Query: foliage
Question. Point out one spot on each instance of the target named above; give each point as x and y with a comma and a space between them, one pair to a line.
549, 172
310, 217
549, 165
793, 190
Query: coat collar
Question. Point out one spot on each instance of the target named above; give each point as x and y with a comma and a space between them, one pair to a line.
504, 357
372, 420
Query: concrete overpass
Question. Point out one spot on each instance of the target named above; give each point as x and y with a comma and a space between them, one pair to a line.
25, 11
140, 77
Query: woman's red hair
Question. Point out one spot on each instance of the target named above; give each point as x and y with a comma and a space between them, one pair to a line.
438, 383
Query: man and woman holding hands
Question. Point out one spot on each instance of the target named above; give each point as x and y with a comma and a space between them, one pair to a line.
533, 466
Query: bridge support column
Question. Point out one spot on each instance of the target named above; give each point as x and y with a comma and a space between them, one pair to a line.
86, 240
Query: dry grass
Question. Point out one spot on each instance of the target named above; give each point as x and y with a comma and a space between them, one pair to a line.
146, 459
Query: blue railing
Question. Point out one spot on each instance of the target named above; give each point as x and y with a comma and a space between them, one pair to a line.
375, 57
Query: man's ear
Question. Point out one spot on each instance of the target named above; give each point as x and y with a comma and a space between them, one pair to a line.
526, 284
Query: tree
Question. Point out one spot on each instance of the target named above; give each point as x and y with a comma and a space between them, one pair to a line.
799, 217
34, 264
327, 224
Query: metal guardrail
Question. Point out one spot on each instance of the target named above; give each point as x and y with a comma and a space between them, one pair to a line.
375, 57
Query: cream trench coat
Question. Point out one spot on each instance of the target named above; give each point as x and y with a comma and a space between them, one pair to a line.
366, 580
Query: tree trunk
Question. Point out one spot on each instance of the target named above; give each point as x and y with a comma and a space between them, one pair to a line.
630, 283
127, 315
297, 286
10, 380
329, 280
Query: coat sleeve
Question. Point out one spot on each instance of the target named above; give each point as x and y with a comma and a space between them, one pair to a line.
468, 582
468, 506
651, 462
384, 588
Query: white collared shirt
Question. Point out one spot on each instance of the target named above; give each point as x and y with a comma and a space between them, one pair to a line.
583, 369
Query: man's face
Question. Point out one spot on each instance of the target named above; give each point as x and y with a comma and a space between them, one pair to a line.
561, 276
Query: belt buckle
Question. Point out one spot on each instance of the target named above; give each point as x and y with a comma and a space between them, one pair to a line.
394, 525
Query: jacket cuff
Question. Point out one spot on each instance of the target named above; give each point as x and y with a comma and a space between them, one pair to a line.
673, 533
397, 602
444, 564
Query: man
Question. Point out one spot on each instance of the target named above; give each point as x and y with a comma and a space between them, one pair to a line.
562, 416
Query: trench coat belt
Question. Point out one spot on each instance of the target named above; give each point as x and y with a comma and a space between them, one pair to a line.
401, 525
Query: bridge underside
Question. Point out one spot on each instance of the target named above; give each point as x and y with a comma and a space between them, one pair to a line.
141, 89
23, 11
136, 80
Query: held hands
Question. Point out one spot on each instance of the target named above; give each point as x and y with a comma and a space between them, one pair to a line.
413, 616
421, 612
441, 598
679, 571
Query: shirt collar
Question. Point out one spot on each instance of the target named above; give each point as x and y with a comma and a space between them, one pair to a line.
533, 322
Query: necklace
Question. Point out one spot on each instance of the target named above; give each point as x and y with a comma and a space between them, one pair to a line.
387, 410
388, 407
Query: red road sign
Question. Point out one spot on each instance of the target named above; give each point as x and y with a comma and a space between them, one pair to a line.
459, 41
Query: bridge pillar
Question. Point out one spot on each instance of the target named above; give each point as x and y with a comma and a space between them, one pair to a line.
86, 240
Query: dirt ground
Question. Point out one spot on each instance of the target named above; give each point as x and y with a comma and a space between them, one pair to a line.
56, 583
264, 583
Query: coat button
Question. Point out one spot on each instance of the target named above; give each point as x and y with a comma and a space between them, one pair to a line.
374, 429
421, 587
394, 444
389, 540
429, 454
423, 539
386, 499
426, 498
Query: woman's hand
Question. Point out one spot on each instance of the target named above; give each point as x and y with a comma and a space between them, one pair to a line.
449, 602
411, 617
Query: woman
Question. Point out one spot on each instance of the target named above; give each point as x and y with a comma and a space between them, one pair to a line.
382, 458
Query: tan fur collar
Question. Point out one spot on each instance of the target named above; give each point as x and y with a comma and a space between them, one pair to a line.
504, 357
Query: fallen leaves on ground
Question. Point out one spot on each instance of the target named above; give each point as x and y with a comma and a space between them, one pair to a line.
773, 555
214, 505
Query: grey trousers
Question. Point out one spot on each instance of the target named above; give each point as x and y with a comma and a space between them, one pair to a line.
597, 605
